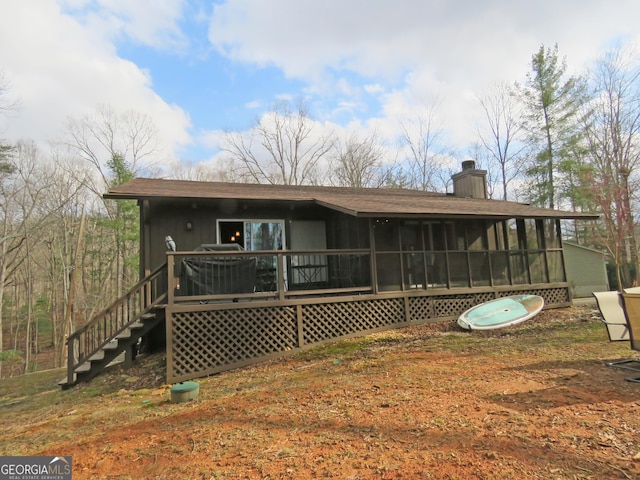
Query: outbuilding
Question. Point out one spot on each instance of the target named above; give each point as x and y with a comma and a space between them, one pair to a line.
586, 269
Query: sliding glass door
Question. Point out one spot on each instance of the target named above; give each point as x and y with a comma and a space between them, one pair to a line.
253, 234
264, 235
256, 235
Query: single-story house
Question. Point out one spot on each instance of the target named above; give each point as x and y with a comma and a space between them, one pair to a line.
261, 270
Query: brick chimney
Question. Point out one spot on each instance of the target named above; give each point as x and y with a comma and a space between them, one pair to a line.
470, 182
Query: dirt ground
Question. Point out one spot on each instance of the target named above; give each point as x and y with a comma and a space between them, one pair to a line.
535, 401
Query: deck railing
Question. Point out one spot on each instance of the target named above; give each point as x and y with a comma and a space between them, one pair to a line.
205, 276
115, 319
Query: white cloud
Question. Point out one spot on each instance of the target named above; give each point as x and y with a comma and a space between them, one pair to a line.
374, 89
60, 68
254, 104
149, 23
359, 63
378, 37
448, 48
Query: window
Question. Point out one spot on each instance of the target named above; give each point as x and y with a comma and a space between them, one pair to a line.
414, 254
264, 235
413, 267
518, 266
455, 235
495, 236
252, 234
556, 267
458, 269
437, 269
500, 268
480, 272
538, 267
551, 234
386, 235
516, 234
436, 238
387, 271
257, 235
477, 235
411, 236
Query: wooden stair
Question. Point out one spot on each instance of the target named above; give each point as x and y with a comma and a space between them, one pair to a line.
116, 330
125, 343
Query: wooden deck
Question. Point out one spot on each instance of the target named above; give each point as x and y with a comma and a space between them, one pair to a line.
233, 309
211, 338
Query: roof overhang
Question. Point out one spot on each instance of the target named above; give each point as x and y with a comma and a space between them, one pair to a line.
357, 202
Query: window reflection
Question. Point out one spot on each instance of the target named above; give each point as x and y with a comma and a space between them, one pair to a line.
263, 236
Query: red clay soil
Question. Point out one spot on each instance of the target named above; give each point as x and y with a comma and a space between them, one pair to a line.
534, 401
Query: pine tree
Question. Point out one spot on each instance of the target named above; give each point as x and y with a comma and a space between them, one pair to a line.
552, 120
125, 225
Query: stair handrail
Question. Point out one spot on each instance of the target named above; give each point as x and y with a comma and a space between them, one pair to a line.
115, 319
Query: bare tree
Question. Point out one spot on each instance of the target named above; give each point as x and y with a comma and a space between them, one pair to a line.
58, 258
97, 138
7, 236
613, 135
421, 136
10, 239
23, 215
285, 146
199, 171
501, 141
118, 146
357, 162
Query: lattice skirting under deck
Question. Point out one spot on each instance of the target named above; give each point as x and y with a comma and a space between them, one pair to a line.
207, 339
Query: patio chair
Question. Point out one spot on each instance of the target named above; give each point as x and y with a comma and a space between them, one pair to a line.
631, 305
612, 315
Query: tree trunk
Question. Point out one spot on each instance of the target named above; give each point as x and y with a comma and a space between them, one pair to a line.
68, 318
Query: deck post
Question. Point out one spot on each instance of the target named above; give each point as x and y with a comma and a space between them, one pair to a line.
299, 317
372, 259
70, 357
129, 355
280, 270
407, 308
170, 278
146, 296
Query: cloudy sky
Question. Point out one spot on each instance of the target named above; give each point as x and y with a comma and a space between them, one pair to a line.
198, 67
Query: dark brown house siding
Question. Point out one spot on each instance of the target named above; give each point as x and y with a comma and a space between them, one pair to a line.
193, 223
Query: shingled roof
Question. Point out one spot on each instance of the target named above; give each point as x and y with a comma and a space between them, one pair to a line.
360, 202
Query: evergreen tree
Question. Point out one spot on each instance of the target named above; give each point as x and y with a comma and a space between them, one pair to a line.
125, 225
6, 167
552, 121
